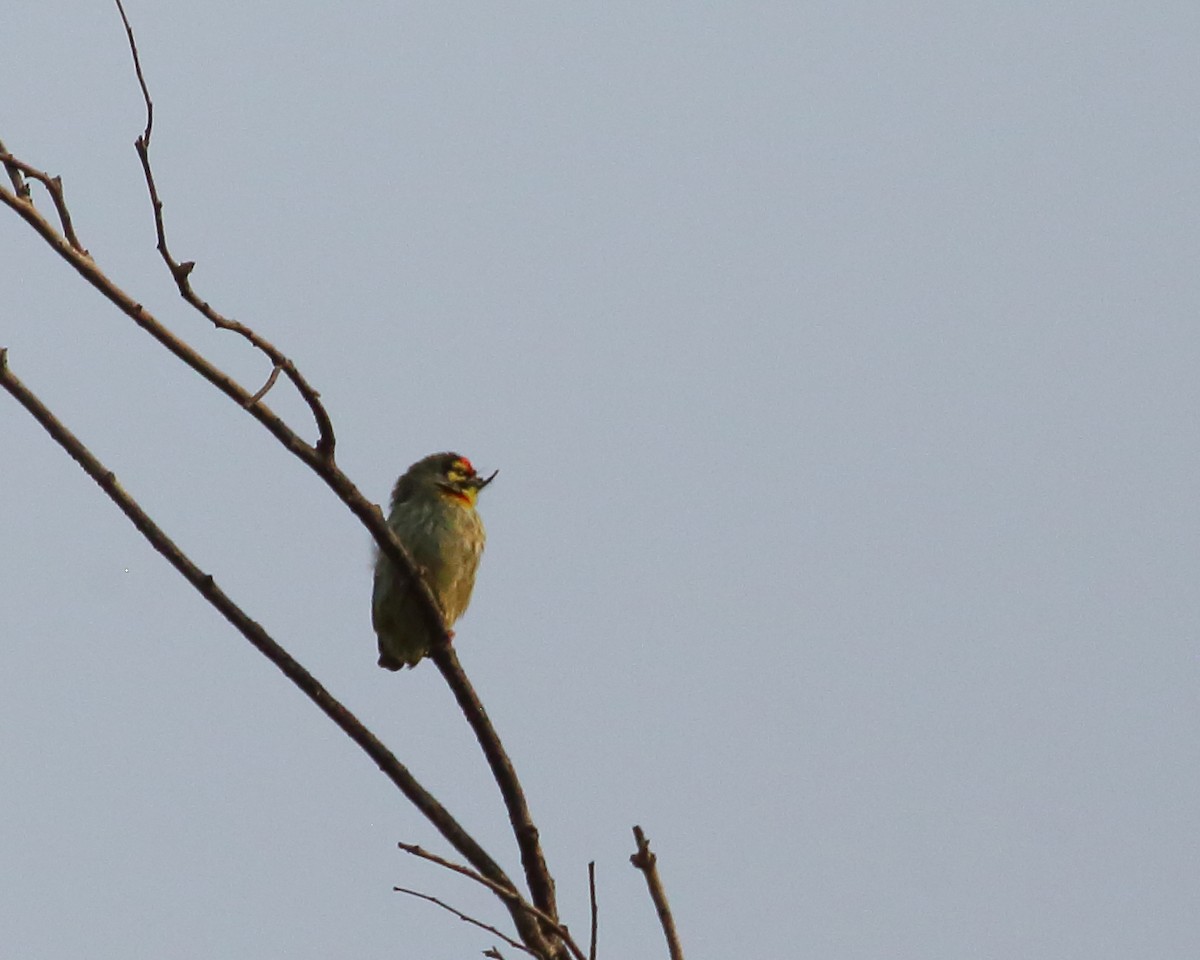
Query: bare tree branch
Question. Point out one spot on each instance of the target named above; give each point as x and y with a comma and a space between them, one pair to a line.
20, 187
558, 928
387, 762
538, 922
320, 459
368, 514
53, 185
424, 854
647, 862
137, 68
181, 272
468, 919
265, 388
537, 873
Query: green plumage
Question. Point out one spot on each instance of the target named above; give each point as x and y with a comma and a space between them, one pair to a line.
433, 514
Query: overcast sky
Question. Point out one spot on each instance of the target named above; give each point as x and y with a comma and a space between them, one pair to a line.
839, 361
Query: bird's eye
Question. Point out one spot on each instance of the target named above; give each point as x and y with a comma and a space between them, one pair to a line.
461, 469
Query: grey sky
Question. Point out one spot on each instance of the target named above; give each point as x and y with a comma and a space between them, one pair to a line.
840, 364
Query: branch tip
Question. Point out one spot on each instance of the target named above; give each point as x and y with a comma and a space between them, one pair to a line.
509, 894
595, 910
645, 861
466, 918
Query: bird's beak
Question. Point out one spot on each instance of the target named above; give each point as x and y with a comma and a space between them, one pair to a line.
479, 484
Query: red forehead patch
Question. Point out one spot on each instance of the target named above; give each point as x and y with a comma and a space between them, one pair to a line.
467, 463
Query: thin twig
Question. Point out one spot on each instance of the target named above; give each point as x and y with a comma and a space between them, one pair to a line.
87, 268
20, 187
265, 387
387, 762
468, 919
647, 862
505, 894
53, 187
137, 67
417, 851
595, 910
181, 273
493, 954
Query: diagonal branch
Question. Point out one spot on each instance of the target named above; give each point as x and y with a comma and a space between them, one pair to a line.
647, 862
291, 668
466, 918
559, 929
537, 873
318, 457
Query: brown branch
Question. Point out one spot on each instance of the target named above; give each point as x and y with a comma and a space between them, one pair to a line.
537, 874
424, 854
468, 919
137, 68
87, 268
53, 187
265, 388
387, 762
505, 894
319, 458
181, 273
647, 862
368, 513
595, 909
20, 187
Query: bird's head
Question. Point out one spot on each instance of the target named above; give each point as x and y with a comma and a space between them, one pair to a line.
447, 474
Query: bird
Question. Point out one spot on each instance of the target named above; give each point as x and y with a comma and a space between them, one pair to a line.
433, 514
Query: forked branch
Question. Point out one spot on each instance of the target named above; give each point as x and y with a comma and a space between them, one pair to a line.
18, 170
536, 922
368, 513
549, 923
